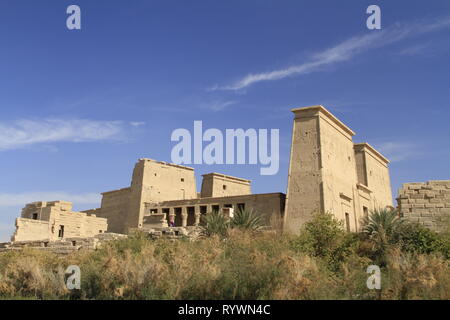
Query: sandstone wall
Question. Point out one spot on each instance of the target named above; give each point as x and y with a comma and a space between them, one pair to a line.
155, 181
114, 207
29, 230
339, 176
304, 192
329, 173
376, 172
55, 220
78, 224
427, 203
270, 206
162, 181
220, 185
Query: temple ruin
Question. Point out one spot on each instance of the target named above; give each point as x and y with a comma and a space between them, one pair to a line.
54, 221
327, 172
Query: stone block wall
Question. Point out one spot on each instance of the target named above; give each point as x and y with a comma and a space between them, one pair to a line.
221, 185
427, 203
54, 220
29, 229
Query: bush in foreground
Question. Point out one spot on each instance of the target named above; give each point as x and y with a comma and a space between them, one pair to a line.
323, 262
324, 237
245, 265
216, 223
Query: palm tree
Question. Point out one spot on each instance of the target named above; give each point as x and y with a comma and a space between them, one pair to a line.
247, 219
380, 227
215, 223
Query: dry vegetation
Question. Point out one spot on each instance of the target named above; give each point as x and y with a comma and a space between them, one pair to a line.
324, 262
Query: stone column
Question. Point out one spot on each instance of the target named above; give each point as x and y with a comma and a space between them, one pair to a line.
197, 215
184, 216
164, 220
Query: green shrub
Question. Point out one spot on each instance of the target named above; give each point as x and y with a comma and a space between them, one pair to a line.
215, 224
247, 220
320, 263
414, 237
380, 228
324, 237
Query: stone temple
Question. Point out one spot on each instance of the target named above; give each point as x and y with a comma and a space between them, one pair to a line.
327, 172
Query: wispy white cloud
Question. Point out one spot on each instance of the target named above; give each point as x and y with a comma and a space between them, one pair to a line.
137, 123
20, 199
221, 105
414, 50
397, 151
344, 51
25, 132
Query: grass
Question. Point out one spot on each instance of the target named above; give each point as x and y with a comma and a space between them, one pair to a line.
242, 265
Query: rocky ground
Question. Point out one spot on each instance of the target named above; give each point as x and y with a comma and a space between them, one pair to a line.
68, 245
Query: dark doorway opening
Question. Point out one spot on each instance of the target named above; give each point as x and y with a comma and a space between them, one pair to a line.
61, 232
178, 219
191, 216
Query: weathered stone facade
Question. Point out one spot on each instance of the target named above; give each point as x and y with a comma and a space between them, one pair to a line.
328, 172
270, 206
427, 203
55, 221
152, 181
219, 185
160, 191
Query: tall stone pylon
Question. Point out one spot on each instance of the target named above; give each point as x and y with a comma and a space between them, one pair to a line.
322, 160
330, 173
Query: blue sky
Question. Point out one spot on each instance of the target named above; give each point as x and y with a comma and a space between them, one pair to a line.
78, 108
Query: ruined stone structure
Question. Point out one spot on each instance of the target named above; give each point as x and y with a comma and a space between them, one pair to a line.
328, 172
270, 206
55, 221
427, 203
160, 191
64, 245
152, 181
